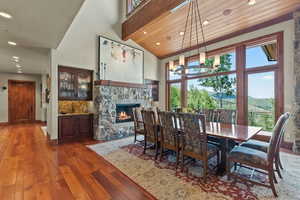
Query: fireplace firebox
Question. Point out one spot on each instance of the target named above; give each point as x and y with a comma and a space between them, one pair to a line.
125, 112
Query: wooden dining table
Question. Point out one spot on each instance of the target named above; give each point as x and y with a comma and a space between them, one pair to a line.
229, 132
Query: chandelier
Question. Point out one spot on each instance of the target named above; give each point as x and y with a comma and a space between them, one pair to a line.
192, 20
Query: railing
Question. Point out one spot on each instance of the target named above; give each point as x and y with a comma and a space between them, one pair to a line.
132, 5
262, 119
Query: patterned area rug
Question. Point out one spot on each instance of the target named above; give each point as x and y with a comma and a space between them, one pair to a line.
165, 183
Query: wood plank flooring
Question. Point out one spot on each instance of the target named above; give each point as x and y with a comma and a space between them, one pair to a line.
30, 168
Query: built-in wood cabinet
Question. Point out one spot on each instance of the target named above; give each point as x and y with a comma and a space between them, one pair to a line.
75, 84
75, 127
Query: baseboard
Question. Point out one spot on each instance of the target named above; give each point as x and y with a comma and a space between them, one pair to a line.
4, 123
51, 142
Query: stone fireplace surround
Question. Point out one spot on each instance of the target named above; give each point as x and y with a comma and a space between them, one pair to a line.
107, 96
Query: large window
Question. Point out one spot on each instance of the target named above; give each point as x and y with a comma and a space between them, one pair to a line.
261, 99
212, 92
249, 80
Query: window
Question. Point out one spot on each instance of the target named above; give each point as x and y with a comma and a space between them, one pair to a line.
175, 96
212, 92
261, 55
261, 100
246, 81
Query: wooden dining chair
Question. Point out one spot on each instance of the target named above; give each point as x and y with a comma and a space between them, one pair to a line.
249, 157
138, 123
226, 116
169, 134
264, 146
151, 131
193, 141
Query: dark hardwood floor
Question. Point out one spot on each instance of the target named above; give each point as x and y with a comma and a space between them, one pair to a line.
30, 168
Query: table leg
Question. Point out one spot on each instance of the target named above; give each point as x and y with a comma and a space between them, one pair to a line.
225, 149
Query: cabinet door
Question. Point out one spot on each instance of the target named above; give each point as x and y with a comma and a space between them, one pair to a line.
84, 79
85, 126
67, 129
67, 85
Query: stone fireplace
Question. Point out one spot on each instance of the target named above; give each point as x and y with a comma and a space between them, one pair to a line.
114, 104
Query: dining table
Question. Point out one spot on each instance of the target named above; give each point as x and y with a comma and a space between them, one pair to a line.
229, 132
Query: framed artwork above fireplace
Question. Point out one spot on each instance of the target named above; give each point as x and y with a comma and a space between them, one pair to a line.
119, 62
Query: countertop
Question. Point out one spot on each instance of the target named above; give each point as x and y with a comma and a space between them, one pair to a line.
73, 114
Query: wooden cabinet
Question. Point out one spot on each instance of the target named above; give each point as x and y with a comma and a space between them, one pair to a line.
75, 84
75, 127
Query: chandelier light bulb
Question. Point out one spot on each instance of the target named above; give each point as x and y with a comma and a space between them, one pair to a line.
181, 60
202, 57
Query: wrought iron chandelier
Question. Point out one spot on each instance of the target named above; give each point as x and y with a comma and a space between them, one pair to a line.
194, 16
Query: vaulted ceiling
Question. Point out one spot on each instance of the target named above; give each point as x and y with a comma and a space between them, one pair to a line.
224, 17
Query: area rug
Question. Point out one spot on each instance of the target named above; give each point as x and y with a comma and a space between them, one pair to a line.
162, 180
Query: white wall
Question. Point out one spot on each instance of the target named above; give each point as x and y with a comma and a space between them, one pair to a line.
4, 77
79, 47
288, 28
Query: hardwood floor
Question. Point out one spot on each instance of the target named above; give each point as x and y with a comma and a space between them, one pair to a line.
32, 169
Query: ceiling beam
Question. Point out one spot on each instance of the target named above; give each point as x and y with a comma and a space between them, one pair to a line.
146, 14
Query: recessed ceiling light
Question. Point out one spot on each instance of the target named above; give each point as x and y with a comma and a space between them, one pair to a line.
157, 43
12, 43
145, 32
18, 66
251, 2
206, 22
181, 33
5, 15
20, 72
15, 57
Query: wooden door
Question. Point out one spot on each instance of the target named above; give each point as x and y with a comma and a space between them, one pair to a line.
21, 101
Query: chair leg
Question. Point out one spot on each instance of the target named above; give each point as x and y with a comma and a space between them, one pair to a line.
205, 171
278, 168
279, 161
156, 151
275, 179
134, 137
161, 152
182, 162
145, 145
271, 179
177, 159
228, 170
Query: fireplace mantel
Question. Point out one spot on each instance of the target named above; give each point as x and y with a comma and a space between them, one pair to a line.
119, 84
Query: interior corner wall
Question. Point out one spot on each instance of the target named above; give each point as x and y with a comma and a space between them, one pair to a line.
4, 77
288, 28
79, 47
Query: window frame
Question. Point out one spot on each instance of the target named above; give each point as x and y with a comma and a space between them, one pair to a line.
242, 75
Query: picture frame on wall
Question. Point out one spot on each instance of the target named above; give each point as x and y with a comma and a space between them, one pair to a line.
119, 62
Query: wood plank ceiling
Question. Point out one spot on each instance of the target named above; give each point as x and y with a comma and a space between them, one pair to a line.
165, 29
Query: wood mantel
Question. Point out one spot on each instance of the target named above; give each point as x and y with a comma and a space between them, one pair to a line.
118, 84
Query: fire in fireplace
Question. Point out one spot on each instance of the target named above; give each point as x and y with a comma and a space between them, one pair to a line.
125, 112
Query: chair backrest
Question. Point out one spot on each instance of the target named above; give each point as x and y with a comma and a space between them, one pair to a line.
282, 133
149, 124
274, 142
168, 131
138, 118
226, 116
209, 113
194, 133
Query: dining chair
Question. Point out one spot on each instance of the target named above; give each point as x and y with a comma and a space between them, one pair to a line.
252, 158
151, 131
138, 123
264, 146
169, 134
193, 141
226, 116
